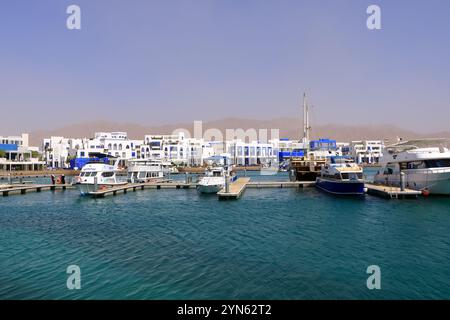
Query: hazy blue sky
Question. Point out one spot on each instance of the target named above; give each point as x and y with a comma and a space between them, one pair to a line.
169, 61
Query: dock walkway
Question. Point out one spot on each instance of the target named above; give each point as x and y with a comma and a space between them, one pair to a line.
280, 184
23, 189
141, 186
391, 192
236, 189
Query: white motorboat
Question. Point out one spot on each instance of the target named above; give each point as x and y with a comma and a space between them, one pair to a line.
98, 175
213, 181
424, 165
146, 170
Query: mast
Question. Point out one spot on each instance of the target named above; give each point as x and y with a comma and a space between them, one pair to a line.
306, 126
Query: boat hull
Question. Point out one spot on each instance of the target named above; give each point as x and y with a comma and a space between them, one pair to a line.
87, 188
435, 181
340, 187
209, 189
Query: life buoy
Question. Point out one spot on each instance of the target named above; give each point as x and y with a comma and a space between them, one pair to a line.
58, 180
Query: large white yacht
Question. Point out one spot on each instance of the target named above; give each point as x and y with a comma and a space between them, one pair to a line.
98, 174
146, 170
425, 164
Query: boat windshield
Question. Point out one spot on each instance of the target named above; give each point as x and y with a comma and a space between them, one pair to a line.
88, 174
437, 163
426, 164
352, 176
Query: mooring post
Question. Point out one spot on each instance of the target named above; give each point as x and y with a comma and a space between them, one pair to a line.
402, 181
227, 184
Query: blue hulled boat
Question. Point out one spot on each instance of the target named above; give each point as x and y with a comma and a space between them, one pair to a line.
341, 176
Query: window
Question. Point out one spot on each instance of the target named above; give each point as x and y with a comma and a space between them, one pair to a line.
416, 165
107, 174
437, 163
390, 168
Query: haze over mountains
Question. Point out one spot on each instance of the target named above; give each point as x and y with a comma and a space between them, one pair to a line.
288, 127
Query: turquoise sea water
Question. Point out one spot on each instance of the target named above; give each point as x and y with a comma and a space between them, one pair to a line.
270, 244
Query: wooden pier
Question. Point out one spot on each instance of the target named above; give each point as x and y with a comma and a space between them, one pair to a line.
23, 189
280, 184
236, 189
390, 192
140, 186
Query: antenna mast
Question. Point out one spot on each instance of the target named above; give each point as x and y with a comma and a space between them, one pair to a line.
306, 126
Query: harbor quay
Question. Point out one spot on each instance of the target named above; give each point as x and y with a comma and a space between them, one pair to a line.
111, 163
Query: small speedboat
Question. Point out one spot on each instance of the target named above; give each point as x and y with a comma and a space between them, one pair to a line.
341, 176
213, 181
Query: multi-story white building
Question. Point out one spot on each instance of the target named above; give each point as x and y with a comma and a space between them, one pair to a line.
115, 144
251, 153
17, 154
176, 148
59, 150
366, 151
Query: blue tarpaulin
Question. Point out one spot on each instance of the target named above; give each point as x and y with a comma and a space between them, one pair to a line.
8, 147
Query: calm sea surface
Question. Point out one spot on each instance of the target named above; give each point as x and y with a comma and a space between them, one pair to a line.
270, 244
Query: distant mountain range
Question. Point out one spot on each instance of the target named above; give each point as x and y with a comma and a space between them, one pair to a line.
289, 128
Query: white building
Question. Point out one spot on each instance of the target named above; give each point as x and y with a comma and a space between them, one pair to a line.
17, 154
115, 144
366, 151
251, 153
57, 151
176, 148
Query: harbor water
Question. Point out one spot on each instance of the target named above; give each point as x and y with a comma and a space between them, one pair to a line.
270, 244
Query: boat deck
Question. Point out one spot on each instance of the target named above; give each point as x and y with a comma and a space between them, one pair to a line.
390, 192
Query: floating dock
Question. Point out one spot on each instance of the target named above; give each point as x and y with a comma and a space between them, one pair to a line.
390, 192
141, 186
236, 189
280, 184
23, 189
